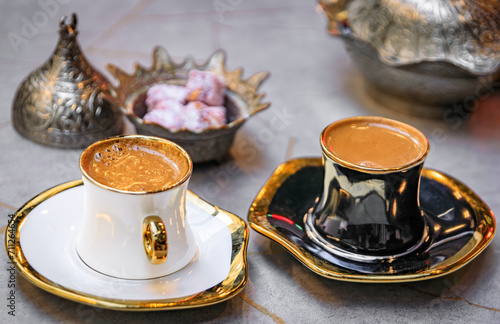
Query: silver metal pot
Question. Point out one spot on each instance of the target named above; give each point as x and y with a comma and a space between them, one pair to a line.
421, 56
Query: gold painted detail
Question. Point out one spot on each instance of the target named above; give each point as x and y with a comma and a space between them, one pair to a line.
5, 123
450, 298
261, 309
7, 206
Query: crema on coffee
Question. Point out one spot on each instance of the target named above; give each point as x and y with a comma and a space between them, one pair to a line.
375, 143
135, 165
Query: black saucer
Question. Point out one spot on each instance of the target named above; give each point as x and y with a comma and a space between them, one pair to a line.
460, 226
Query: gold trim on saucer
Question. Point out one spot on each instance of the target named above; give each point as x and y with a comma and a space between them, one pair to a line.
228, 288
484, 231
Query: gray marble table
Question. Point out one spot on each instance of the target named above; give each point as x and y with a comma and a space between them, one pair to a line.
312, 83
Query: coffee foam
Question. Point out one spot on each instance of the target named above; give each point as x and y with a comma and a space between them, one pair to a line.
374, 142
135, 164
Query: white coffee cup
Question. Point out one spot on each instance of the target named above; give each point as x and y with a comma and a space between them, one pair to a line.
135, 233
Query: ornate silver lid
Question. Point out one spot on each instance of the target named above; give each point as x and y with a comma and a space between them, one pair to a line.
61, 103
463, 33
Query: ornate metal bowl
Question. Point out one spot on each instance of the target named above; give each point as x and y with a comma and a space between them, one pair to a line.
420, 56
241, 100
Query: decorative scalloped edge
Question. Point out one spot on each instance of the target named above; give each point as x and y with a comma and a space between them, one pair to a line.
164, 68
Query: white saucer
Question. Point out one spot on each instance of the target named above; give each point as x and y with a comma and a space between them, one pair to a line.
46, 230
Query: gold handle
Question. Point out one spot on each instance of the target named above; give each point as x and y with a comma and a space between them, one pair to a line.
155, 239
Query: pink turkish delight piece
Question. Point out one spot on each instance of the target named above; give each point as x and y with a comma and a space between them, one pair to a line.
166, 118
170, 105
165, 92
207, 87
195, 107
216, 115
193, 116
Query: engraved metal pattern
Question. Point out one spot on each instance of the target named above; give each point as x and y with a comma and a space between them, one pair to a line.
61, 103
430, 52
242, 101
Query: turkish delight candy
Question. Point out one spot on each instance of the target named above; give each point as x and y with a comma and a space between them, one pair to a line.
165, 92
167, 118
216, 115
195, 107
170, 105
192, 116
197, 116
206, 87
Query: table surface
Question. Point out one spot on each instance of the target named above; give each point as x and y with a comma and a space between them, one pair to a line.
313, 83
